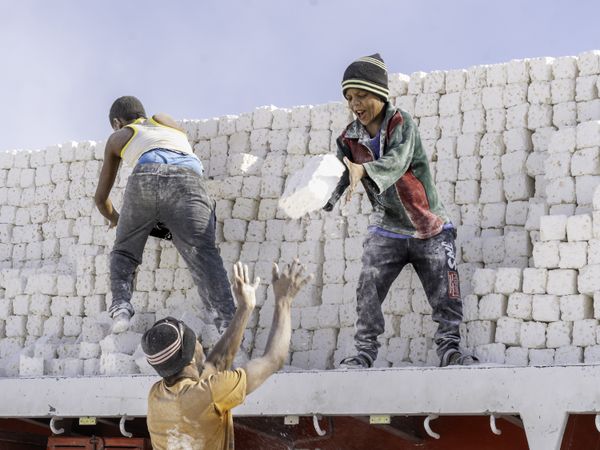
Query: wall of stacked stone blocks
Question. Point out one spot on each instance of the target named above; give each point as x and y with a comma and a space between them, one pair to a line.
514, 149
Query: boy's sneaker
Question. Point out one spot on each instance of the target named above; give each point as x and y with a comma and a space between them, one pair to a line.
456, 358
360, 361
121, 321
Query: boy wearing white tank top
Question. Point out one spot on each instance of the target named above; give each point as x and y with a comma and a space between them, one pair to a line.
165, 196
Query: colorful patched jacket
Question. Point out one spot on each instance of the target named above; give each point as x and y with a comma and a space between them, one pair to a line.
399, 184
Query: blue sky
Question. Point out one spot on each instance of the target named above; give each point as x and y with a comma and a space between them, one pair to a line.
63, 62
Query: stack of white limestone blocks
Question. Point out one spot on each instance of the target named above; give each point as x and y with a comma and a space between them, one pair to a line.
508, 144
546, 314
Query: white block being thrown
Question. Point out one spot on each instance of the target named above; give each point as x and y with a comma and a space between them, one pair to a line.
309, 189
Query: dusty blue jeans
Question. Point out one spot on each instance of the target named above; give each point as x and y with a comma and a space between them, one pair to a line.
434, 260
176, 197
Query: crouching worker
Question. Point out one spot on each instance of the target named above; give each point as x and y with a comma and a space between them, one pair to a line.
191, 406
382, 149
166, 189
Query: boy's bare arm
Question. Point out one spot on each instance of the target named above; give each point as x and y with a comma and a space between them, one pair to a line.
224, 351
110, 167
286, 286
167, 120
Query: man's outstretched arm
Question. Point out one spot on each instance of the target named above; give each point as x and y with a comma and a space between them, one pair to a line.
286, 286
224, 351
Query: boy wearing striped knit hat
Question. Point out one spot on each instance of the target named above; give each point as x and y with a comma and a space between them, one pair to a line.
382, 149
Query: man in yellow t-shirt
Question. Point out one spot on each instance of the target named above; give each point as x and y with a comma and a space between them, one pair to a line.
190, 408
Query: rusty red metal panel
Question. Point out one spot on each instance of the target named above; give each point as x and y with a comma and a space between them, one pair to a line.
98, 443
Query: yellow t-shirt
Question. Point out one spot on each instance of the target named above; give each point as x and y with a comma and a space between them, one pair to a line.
195, 414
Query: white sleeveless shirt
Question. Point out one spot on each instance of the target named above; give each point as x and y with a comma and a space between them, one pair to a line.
148, 134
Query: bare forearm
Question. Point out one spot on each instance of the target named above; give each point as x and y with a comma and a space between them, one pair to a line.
106, 208
276, 351
278, 342
225, 350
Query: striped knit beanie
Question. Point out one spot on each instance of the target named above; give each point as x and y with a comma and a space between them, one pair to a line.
169, 346
368, 73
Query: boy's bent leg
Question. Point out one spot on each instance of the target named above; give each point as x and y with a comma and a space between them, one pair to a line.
137, 218
192, 222
383, 259
434, 260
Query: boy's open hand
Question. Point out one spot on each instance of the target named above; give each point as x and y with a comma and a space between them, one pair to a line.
244, 291
288, 283
356, 173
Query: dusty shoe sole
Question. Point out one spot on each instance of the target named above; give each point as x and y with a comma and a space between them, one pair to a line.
120, 323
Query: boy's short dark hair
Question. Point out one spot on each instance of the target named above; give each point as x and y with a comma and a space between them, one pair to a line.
126, 108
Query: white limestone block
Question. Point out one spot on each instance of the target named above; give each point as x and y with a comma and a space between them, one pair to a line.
576, 307
310, 189
565, 140
469, 167
495, 120
493, 249
540, 69
516, 213
568, 355
562, 282
72, 325
89, 350
480, 332
545, 308
467, 192
508, 330
541, 357
557, 165
591, 354
589, 110
573, 255
589, 62
31, 366
559, 334
565, 67
474, 121
492, 306
560, 190
115, 364
533, 335
579, 228
491, 169
517, 243
418, 349
427, 105
584, 332
586, 162
447, 170
515, 94
516, 116
588, 281
398, 84
411, 325
518, 139
563, 90
518, 187
585, 88
492, 97
493, 215
534, 280
564, 114
539, 116
588, 134
539, 92
508, 280
516, 356
483, 281
491, 353
16, 326
449, 104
